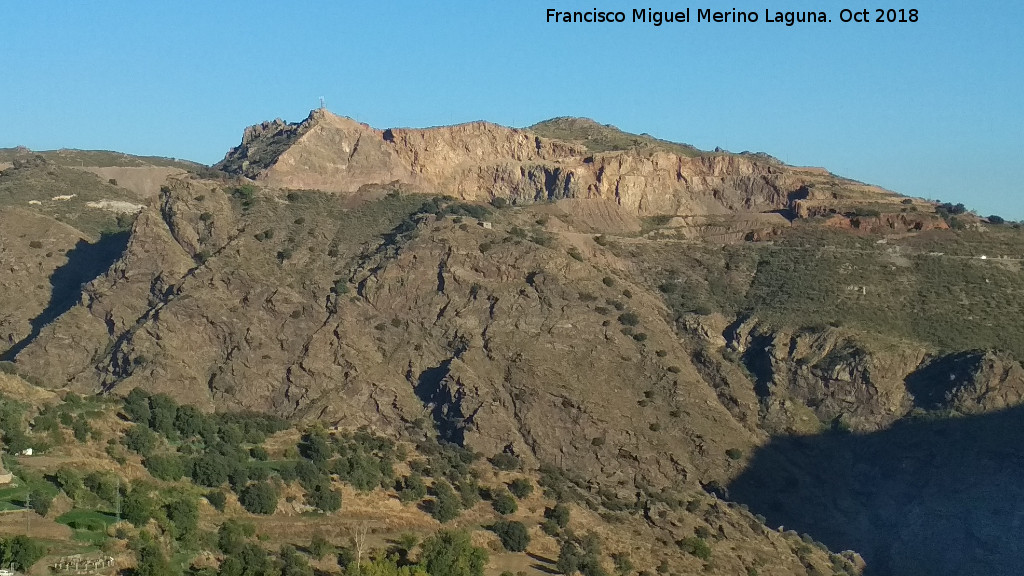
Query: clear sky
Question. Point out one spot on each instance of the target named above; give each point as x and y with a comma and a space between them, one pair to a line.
931, 109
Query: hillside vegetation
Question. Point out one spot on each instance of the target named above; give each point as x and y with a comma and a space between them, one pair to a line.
565, 349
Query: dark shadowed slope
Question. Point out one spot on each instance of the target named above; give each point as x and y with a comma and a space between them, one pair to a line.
936, 497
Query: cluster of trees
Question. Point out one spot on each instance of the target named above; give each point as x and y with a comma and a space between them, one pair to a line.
21, 552
13, 431
177, 441
447, 553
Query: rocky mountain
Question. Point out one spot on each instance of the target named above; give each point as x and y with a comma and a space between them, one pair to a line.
653, 318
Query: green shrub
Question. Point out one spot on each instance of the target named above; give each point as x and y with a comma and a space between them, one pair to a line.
445, 506
504, 503
513, 535
629, 319
69, 480
324, 497
20, 552
734, 453
411, 488
696, 546
217, 499
505, 461
167, 467
520, 488
259, 498
449, 553
559, 514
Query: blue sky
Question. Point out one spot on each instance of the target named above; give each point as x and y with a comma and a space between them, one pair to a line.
931, 109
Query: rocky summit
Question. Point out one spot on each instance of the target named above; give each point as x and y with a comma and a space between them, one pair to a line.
721, 363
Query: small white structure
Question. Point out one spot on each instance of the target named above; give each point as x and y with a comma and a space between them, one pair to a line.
485, 225
26, 452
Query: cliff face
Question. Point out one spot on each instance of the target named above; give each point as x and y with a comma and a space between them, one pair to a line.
829, 378
480, 161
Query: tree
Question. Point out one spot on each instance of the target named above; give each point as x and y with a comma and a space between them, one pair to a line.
210, 470
569, 558
80, 428
165, 466
69, 480
40, 496
163, 411
324, 497
136, 406
217, 499
137, 507
623, 565
249, 560
103, 485
450, 553
315, 446
140, 439
184, 514
292, 564
259, 498
152, 561
320, 547
520, 488
469, 492
406, 543
21, 551
697, 546
505, 461
446, 506
560, 514
232, 535
513, 535
190, 422
504, 503
411, 488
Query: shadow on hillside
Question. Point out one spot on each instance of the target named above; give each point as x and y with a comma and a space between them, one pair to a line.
937, 497
444, 409
85, 263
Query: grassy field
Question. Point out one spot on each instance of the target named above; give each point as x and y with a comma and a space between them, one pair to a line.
12, 497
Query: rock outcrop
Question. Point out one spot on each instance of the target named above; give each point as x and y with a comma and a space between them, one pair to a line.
811, 379
480, 161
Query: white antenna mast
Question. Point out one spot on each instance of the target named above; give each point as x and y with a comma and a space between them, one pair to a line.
322, 105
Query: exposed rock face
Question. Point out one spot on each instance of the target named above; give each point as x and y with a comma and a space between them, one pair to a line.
864, 384
479, 161
969, 383
498, 348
